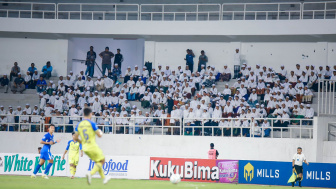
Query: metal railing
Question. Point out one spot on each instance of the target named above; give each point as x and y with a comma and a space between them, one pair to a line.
261, 11
170, 12
91, 11
28, 10
295, 128
326, 97
180, 12
332, 131
319, 10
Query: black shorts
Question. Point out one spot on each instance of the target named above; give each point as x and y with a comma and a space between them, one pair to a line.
298, 169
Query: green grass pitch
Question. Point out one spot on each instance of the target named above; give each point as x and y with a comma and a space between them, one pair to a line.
25, 182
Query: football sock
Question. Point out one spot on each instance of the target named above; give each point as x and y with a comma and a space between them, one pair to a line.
98, 167
72, 171
300, 183
37, 168
47, 168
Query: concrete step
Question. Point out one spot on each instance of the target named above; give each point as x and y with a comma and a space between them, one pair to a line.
14, 100
138, 105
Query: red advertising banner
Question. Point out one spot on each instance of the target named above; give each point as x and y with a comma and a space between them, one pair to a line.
192, 170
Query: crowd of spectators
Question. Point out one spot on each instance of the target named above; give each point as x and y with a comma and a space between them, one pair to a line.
259, 92
32, 80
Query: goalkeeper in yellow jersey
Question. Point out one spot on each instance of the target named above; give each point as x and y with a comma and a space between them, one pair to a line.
73, 147
87, 130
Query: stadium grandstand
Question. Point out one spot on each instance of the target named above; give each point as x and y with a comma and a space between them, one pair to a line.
164, 79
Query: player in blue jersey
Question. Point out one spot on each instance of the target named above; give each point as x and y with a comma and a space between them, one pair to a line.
47, 141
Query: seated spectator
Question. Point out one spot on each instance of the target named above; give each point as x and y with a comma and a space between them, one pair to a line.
116, 73
283, 73
99, 84
14, 71
31, 69
145, 74
136, 73
35, 78
226, 74
18, 84
307, 95
89, 83
4, 82
41, 85
47, 69
28, 81
309, 114
128, 74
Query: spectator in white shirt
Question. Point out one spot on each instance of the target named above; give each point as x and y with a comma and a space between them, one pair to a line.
283, 73
226, 74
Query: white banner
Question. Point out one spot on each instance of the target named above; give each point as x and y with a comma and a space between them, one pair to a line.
24, 164
121, 167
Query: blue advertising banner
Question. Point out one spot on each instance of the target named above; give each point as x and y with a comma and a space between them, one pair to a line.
278, 173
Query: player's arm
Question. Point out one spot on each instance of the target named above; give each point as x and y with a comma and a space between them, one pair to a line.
66, 150
64, 154
306, 162
80, 148
98, 132
44, 142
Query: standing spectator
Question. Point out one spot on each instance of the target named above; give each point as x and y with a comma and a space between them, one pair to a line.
4, 82
106, 59
47, 69
118, 59
202, 60
90, 61
41, 85
31, 69
190, 59
116, 73
18, 85
236, 60
15, 70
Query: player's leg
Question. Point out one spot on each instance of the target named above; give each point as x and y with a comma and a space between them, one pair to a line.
73, 167
50, 163
301, 176
37, 168
72, 170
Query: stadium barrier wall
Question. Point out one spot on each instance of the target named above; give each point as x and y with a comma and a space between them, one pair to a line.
170, 146
192, 170
118, 167
278, 173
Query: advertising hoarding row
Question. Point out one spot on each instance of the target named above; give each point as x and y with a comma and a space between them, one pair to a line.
191, 170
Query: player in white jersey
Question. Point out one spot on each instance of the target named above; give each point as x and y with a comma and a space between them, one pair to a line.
297, 162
